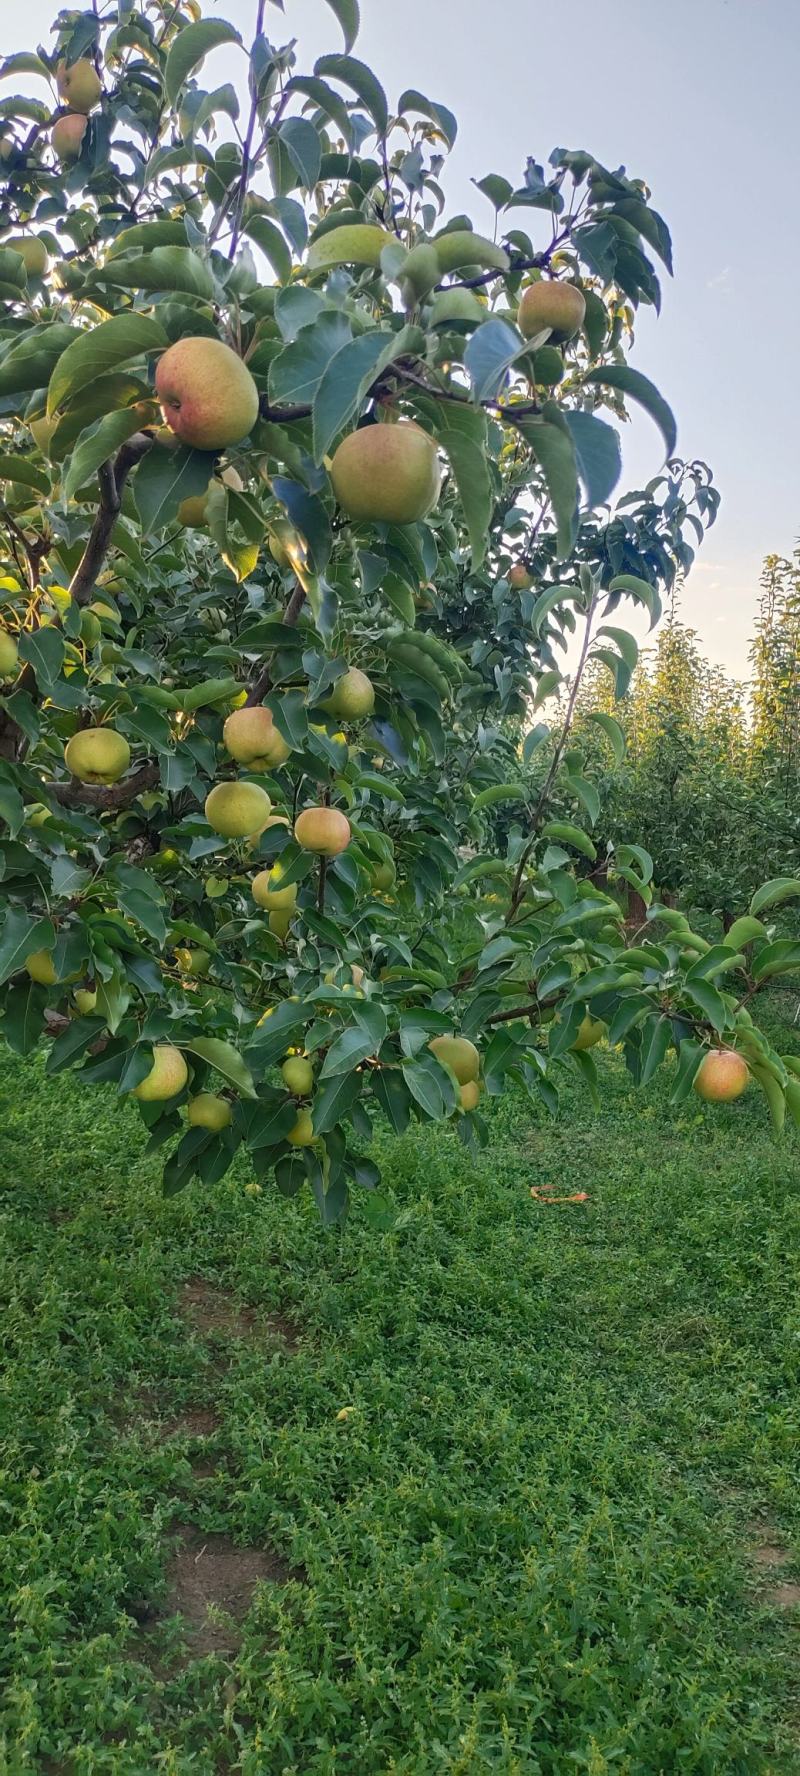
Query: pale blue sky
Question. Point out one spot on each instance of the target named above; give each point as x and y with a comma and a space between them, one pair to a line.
700, 98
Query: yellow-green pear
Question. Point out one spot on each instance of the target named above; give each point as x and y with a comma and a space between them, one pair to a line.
459, 1054
302, 1134
41, 968
79, 84
209, 1112
267, 891
550, 304
97, 755
167, 1076
85, 999
251, 738
722, 1076
590, 1031
9, 655
298, 1075
353, 696
32, 252
237, 810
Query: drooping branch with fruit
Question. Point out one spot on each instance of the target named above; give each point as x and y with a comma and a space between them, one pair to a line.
305, 486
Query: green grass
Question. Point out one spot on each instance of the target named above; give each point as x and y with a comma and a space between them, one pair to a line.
527, 1548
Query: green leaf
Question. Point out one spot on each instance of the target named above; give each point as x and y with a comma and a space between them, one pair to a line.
546, 684
690, 1056
411, 100
774, 1093
533, 739
656, 1038
772, 893
491, 350
636, 854
586, 794
563, 833
347, 1051
393, 1096
641, 590
744, 931
269, 238
612, 731
333, 1100
25, 474
598, 453
189, 48
21, 934
781, 957
304, 148
348, 16
633, 383
166, 477
462, 433
710, 1002
175, 270
361, 81
499, 792
550, 601
296, 373
30, 363
44, 649
551, 442
98, 446
348, 377
100, 349
224, 1058
628, 647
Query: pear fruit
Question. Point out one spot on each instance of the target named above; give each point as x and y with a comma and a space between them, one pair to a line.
67, 136
550, 304
302, 1134
85, 1000
298, 1075
323, 830
167, 1076
722, 1076
267, 891
519, 577
459, 1054
237, 810
207, 1111
590, 1031
193, 511
383, 877
279, 921
41, 968
353, 696
470, 1094
32, 252
97, 755
252, 739
207, 395
9, 655
386, 473
79, 85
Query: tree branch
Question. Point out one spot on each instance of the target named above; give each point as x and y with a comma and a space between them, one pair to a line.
112, 477
105, 797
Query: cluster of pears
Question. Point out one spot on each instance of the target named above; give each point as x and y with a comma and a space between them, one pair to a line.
464, 1061
80, 88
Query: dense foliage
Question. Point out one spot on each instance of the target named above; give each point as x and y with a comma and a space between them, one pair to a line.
276, 582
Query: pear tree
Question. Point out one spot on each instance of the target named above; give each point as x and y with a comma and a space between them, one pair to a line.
310, 529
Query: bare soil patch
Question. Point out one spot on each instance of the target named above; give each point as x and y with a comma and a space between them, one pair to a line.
211, 1583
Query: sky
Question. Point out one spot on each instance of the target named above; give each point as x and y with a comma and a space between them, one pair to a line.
698, 97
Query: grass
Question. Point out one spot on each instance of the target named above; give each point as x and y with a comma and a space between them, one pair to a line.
527, 1549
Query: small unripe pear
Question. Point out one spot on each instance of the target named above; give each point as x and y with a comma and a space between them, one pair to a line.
32, 252
267, 891
302, 1134
520, 577
298, 1075
79, 85
470, 1095
9, 655
85, 1000
41, 968
353, 695
237, 810
590, 1031
279, 921
167, 1076
459, 1054
209, 1112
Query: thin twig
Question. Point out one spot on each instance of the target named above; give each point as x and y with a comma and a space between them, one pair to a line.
112, 478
